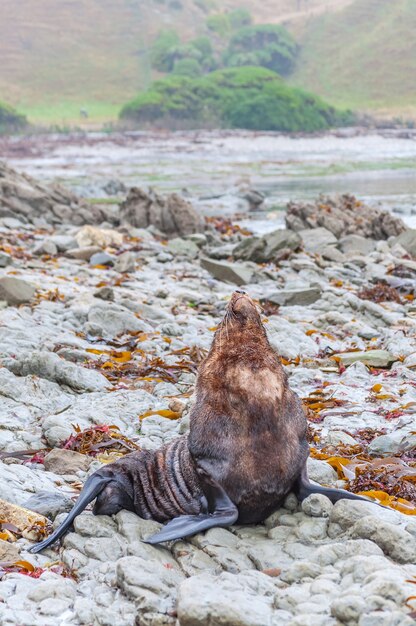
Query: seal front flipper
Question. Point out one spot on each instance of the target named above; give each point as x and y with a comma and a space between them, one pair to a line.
93, 486
223, 512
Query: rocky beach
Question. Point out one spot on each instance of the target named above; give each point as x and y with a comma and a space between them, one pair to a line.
106, 310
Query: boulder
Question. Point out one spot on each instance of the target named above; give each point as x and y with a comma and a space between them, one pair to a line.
50, 366
172, 215
407, 240
343, 215
293, 297
61, 461
15, 291
25, 199
234, 273
317, 239
125, 263
266, 248
356, 244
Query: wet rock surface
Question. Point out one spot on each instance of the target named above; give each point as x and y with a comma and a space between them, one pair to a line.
114, 349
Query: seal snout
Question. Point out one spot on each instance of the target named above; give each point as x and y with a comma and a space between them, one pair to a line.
242, 304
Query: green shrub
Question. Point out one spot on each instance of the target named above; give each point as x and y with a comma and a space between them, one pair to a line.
187, 67
161, 51
219, 23
266, 45
244, 97
239, 18
10, 119
203, 44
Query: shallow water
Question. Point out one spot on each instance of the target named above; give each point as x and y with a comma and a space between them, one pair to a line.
379, 168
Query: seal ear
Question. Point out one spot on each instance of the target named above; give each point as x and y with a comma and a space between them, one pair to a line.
224, 513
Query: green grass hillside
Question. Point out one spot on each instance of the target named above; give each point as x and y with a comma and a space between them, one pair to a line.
363, 56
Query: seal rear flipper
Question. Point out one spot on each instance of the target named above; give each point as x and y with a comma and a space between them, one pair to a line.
304, 488
93, 486
223, 513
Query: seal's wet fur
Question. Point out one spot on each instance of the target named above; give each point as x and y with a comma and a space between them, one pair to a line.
245, 452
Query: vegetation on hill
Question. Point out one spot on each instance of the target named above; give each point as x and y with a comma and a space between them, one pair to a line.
245, 97
262, 45
10, 119
265, 45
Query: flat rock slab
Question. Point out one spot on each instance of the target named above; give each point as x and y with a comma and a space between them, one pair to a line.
62, 461
16, 291
293, 297
372, 358
234, 273
50, 366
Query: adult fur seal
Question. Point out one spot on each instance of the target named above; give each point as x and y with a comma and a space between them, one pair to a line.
245, 452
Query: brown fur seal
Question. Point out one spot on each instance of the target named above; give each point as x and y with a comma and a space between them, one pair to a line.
245, 452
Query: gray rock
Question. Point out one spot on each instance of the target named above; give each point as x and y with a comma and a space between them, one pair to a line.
46, 247
330, 253
9, 551
343, 215
151, 585
172, 214
82, 254
393, 540
15, 291
183, 247
62, 461
105, 293
125, 263
51, 367
348, 608
234, 273
230, 600
102, 258
317, 239
63, 242
109, 320
5, 259
321, 472
407, 240
49, 504
372, 358
266, 248
356, 244
295, 297
30, 201
396, 442
317, 505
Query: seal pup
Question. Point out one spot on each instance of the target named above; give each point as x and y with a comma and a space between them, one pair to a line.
246, 449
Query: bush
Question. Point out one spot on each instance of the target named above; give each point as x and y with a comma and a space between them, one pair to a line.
10, 119
245, 97
187, 67
223, 24
219, 23
239, 18
266, 45
161, 51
